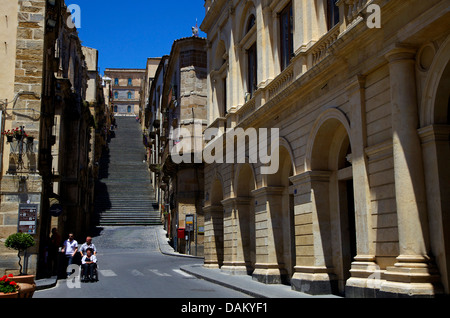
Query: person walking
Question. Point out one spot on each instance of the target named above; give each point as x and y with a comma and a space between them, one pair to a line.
69, 249
55, 243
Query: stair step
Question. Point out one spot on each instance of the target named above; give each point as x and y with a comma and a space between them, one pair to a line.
124, 193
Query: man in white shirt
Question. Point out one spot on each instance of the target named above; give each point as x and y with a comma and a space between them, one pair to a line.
69, 249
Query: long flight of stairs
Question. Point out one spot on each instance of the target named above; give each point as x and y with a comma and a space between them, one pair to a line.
124, 193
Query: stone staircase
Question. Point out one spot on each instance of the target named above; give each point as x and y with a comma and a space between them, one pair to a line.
124, 194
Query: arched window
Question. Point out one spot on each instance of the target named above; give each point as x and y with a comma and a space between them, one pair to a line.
286, 36
251, 22
252, 80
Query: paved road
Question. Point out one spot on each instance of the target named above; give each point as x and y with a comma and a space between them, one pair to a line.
132, 266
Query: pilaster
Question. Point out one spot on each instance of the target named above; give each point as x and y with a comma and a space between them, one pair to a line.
413, 273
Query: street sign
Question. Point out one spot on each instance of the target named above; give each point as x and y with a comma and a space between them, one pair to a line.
189, 222
27, 218
56, 210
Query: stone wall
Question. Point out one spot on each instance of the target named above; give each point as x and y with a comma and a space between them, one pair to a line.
15, 187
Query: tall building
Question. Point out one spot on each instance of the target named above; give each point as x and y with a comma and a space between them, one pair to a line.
358, 92
127, 86
177, 101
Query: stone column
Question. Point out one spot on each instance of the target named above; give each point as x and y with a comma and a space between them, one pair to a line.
229, 234
412, 274
436, 156
237, 236
269, 236
245, 234
314, 273
365, 273
213, 236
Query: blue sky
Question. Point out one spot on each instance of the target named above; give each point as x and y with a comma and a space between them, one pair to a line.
126, 33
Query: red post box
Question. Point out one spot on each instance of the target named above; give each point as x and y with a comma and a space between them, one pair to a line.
180, 233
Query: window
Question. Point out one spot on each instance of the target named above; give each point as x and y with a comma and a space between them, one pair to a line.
116, 81
129, 109
286, 36
252, 82
130, 82
116, 95
332, 14
251, 23
224, 97
129, 95
115, 109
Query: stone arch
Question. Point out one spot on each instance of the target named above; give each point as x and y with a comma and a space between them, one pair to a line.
284, 147
434, 101
328, 121
328, 154
221, 50
216, 192
213, 213
282, 215
245, 182
248, 12
246, 169
435, 136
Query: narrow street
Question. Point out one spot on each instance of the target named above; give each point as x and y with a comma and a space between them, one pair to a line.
132, 266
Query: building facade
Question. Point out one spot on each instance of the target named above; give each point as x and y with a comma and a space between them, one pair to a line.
43, 96
359, 94
127, 85
152, 122
178, 102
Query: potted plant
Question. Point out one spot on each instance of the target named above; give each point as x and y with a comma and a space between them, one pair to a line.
30, 139
9, 135
21, 242
8, 287
18, 133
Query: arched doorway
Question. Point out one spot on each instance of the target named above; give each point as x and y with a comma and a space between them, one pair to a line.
435, 137
214, 246
283, 219
246, 251
334, 199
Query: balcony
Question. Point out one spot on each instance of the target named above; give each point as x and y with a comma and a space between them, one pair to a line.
307, 60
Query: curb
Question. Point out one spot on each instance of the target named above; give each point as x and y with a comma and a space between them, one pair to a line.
222, 283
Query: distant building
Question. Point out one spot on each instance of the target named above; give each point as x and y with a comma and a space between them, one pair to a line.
151, 68
127, 87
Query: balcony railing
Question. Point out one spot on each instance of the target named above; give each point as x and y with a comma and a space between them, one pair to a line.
305, 61
353, 8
